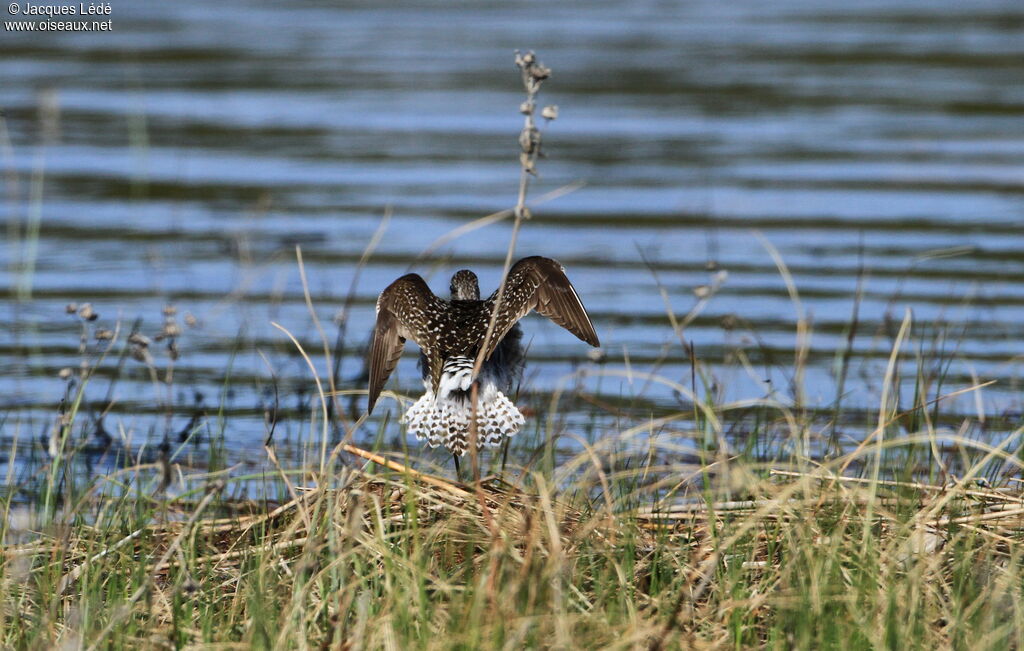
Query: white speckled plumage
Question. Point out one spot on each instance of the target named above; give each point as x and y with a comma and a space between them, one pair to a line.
444, 418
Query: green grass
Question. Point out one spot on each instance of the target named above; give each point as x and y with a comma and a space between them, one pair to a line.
618, 549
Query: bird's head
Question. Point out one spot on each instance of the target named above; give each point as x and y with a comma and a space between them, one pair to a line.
464, 286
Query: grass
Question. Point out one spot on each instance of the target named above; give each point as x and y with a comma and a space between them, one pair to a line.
618, 556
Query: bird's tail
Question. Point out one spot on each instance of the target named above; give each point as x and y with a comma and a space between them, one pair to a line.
443, 418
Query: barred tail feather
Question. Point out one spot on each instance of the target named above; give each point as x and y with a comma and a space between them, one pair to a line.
444, 420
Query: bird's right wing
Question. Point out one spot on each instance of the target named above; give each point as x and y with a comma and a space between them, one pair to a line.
404, 311
538, 283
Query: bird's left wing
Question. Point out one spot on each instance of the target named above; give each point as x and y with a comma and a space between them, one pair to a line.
404, 311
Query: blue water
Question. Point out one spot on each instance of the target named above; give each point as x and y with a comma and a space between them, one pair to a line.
195, 145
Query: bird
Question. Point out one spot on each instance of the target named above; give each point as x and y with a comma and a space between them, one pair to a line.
450, 335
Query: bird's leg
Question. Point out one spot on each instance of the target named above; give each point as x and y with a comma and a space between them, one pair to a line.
504, 455
458, 474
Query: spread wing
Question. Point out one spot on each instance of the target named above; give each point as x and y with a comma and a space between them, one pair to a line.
538, 283
404, 311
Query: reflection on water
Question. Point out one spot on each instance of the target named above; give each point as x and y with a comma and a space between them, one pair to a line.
187, 153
